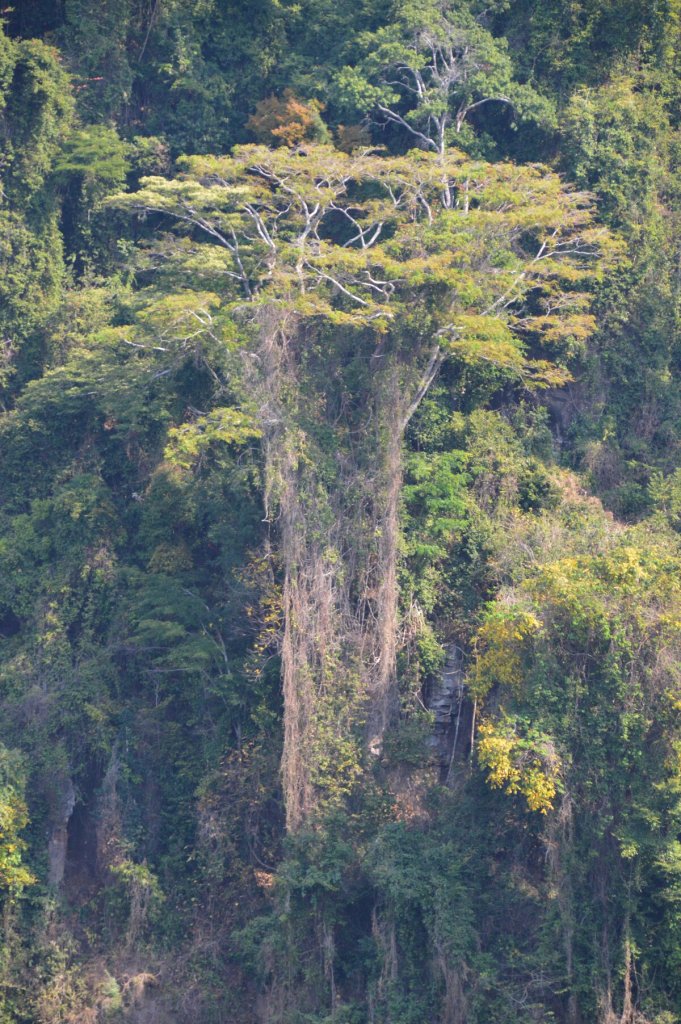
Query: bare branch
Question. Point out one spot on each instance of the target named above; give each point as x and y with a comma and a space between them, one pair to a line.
398, 119
434, 363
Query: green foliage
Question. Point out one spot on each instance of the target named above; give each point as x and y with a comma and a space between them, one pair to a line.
35, 110
96, 153
665, 495
135, 896
189, 443
430, 69
612, 144
620, 140
14, 875
590, 613
96, 40
568, 42
298, 382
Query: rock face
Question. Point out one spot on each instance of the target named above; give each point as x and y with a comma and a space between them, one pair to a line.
61, 811
446, 698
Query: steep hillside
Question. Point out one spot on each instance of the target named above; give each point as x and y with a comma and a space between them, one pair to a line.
340, 500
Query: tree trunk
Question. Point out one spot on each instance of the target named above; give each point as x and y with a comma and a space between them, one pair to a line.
383, 696
335, 510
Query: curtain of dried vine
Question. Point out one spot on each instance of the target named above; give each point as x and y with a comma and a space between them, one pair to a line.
337, 540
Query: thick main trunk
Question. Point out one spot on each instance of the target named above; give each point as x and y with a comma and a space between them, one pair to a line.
319, 665
303, 585
383, 696
337, 530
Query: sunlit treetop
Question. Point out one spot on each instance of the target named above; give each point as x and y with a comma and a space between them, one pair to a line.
493, 253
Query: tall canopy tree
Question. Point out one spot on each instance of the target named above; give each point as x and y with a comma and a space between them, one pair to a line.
430, 69
405, 261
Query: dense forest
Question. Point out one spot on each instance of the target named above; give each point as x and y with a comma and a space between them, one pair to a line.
340, 511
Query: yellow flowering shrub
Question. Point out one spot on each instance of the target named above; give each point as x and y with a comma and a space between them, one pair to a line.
519, 764
502, 643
